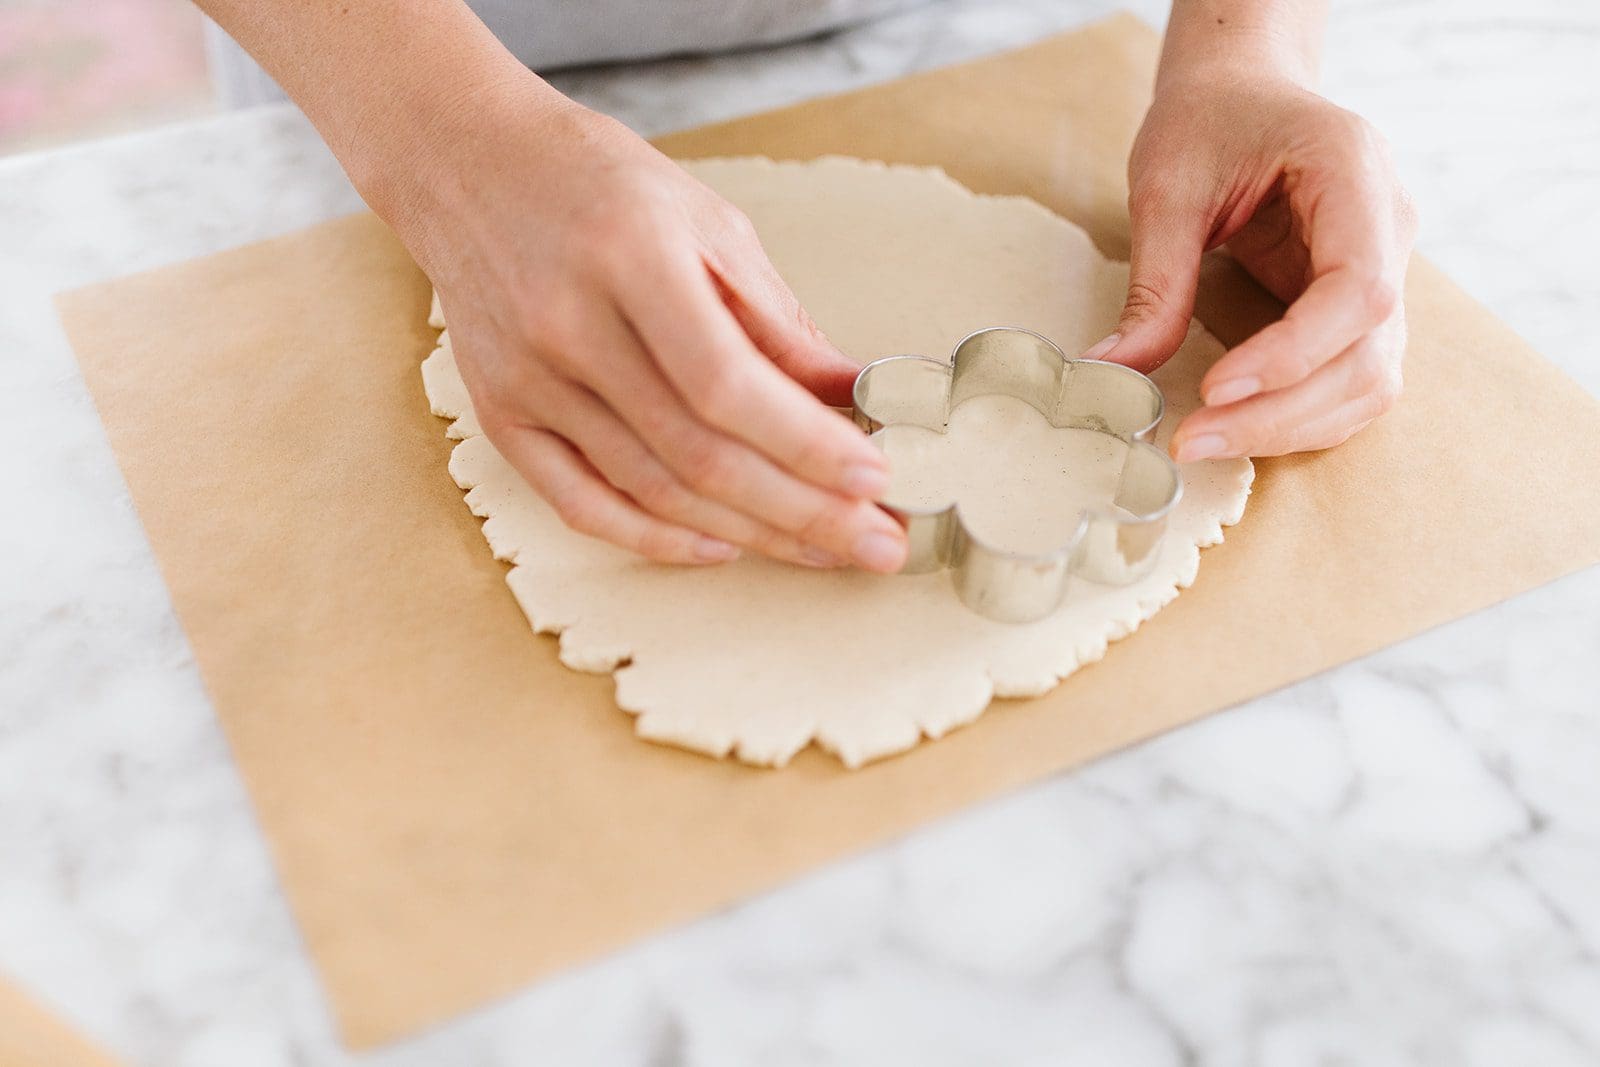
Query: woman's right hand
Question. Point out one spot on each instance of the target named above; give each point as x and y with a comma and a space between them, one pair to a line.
629, 348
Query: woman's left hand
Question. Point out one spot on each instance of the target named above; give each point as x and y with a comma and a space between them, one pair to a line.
1305, 197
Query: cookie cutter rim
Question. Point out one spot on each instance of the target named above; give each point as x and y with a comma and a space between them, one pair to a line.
1105, 547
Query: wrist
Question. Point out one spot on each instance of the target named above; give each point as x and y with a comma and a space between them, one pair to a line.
1197, 77
399, 148
1241, 41
424, 178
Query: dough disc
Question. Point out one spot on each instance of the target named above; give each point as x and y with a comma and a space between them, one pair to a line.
759, 659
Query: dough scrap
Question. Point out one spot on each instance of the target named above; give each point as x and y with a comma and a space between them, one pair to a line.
759, 659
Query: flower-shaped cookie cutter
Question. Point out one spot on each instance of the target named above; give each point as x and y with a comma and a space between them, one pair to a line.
1114, 545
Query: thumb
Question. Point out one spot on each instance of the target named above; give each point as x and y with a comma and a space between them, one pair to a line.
1163, 272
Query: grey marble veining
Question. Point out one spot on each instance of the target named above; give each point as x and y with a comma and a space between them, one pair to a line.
1392, 863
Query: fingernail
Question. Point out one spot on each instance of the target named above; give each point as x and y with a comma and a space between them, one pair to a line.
1206, 446
864, 481
711, 550
879, 552
1102, 348
816, 557
1232, 391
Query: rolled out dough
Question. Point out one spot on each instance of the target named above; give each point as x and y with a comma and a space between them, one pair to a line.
759, 659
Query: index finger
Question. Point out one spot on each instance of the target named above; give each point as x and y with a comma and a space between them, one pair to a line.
730, 384
1355, 286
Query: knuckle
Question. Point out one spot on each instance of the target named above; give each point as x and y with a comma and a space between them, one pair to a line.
1296, 365
1146, 300
648, 206
803, 321
661, 544
822, 527
1348, 130
553, 323
525, 385
1380, 298
1350, 142
1145, 294
660, 425
1366, 145
575, 508
618, 233
1265, 434
497, 420
1368, 375
711, 467
1376, 144
812, 454
722, 397
775, 544
1390, 385
659, 494
611, 255
734, 222
1152, 197
1406, 213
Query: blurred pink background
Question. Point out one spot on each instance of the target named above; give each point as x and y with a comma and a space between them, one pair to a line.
71, 69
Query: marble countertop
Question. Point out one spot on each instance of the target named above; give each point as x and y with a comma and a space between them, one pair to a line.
1395, 862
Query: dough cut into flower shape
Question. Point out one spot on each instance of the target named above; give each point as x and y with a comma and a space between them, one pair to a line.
758, 659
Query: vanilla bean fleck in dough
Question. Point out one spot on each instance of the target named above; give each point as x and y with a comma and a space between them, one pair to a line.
759, 659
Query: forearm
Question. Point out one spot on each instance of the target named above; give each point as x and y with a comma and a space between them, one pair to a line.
1282, 36
386, 82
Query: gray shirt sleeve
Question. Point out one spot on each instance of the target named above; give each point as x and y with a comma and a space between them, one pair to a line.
547, 34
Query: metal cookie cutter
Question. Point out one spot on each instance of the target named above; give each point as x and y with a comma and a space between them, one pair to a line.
1114, 545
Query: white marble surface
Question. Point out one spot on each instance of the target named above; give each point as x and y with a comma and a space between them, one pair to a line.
1394, 863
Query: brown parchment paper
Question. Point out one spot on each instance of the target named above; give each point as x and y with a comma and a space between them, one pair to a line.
31, 1036
454, 814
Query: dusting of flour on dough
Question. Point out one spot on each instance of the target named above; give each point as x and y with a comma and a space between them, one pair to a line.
758, 659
